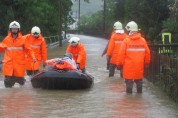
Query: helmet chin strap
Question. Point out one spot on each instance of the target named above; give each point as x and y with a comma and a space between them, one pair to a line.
36, 37
14, 33
74, 45
132, 32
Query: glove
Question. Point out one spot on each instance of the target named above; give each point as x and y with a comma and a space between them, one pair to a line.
78, 66
44, 64
34, 60
102, 54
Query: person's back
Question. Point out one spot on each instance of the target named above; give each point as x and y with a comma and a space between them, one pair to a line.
134, 54
114, 45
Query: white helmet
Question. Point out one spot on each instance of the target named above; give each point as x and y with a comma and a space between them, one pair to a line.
117, 25
35, 30
131, 26
74, 41
14, 24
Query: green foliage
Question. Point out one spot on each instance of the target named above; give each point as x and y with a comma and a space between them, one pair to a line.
89, 23
172, 27
167, 81
148, 14
29, 13
1, 38
171, 23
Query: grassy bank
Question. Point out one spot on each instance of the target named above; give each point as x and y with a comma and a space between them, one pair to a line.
57, 52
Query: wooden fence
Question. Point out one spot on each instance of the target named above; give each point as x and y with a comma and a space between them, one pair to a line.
163, 69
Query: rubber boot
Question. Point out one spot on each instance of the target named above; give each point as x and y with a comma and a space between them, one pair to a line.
107, 65
32, 72
29, 72
9, 82
121, 72
112, 70
139, 84
129, 86
20, 80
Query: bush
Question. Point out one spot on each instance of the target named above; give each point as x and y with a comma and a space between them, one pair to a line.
172, 26
1, 38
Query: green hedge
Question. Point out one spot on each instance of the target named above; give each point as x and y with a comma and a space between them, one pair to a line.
1, 38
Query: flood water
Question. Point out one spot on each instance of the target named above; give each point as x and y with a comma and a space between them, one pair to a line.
106, 99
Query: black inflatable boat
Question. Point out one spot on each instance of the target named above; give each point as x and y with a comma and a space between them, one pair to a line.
57, 79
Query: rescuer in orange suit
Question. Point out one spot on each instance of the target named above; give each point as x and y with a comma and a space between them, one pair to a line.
77, 49
38, 45
134, 54
14, 57
113, 48
105, 50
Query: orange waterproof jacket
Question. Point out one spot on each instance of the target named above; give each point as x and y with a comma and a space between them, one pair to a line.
78, 54
133, 54
114, 45
38, 45
14, 56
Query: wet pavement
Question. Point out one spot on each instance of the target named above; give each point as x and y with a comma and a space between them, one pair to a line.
106, 99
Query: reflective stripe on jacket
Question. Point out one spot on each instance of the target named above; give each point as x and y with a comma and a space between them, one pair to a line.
114, 45
133, 54
78, 54
35, 46
38, 45
14, 56
14, 48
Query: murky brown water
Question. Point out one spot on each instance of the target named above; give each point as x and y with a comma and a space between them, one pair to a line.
107, 98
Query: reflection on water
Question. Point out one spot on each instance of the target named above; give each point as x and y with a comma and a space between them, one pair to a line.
126, 105
129, 107
16, 103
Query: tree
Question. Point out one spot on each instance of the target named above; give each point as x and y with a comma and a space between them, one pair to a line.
148, 14
171, 23
29, 13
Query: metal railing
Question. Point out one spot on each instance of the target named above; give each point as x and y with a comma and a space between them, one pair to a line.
53, 41
166, 49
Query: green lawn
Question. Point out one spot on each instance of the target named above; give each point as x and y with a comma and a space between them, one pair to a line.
57, 52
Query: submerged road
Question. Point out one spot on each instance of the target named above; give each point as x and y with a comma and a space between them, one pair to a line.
107, 98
